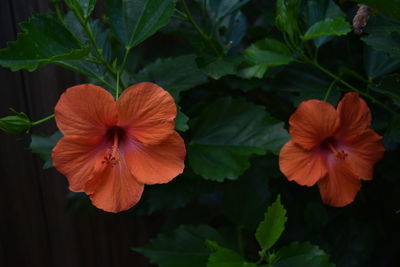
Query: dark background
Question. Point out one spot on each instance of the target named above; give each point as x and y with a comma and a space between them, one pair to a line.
36, 226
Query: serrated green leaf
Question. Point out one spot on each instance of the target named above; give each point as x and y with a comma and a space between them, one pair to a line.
173, 74
181, 121
43, 41
224, 257
263, 55
133, 21
273, 225
319, 10
302, 255
227, 133
217, 67
181, 248
43, 146
337, 26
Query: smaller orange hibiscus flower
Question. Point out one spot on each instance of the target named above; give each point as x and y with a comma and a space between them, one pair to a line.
110, 149
332, 147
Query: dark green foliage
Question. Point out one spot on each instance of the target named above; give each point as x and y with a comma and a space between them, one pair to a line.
237, 70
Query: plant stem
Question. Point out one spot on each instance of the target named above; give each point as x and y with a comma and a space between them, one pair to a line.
329, 90
190, 19
43, 120
98, 50
349, 86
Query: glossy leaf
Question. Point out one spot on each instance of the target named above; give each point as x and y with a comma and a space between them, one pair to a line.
319, 10
264, 54
43, 41
337, 26
182, 247
133, 21
173, 74
227, 133
224, 257
217, 67
273, 225
43, 145
389, 86
302, 255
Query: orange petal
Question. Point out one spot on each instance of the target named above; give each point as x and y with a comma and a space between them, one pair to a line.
75, 157
304, 167
146, 112
364, 151
85, 110
341, 185
113, 188
354, 115
156, 164
312, 122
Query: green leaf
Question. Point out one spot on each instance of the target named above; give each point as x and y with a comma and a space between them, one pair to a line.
264, 54
389, 7
273, 225
217, 67
181, 248
287, 17
173, 74
227, 133
43, 146
378, 63
224, 257
319, 10
181, 121
133, 21
337, 26
83, 7
383, 35
43, 41
220, 8
302, 255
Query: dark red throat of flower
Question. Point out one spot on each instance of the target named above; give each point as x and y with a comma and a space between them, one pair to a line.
115, 135
337, 154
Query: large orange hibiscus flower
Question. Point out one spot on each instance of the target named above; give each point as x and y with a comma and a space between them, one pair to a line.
332, 147
110, 149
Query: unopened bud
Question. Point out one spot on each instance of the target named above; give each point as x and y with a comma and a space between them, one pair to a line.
15, 124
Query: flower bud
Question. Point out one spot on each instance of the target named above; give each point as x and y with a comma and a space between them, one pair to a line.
15, 124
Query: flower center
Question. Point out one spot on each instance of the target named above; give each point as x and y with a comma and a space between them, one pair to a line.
112, 157
337, 154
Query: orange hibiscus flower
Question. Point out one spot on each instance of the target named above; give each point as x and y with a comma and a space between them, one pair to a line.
110, 149
332, 147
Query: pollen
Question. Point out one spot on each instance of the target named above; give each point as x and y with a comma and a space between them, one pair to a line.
341, 155
112, 157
